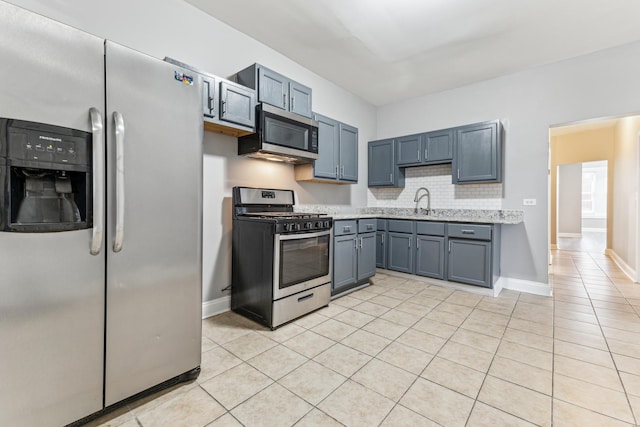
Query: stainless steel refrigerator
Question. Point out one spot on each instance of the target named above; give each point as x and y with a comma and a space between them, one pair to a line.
109, 304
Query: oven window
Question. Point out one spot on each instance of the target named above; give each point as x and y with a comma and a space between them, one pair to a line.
303, 259
287, 134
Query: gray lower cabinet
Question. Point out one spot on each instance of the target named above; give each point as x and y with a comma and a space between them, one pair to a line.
459, 252
345, 262
478, 153
366, 255
338, 154
473, 254
383, 169
354, 253
430, 256
275, 89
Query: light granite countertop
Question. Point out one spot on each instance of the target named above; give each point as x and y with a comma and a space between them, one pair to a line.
445, 215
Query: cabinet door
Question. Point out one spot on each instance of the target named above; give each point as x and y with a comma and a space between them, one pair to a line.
409, 149
478, 156
237, 104
209, 103
470, 262
399, 257
438, 146
326, 166
348, 153
344, 261
381, 249
273, 88
430, 256
366, 255
381, 163
300, 99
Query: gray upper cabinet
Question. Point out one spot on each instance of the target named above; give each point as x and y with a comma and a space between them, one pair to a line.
409, 150
348, 153
237, 104
438, 146
383, 169
478, 153
300, 99
275, 89
229, 108
338, 154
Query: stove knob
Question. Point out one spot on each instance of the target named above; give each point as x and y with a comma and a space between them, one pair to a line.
308, 225
285, 226
296, 227
319, 224
327, 224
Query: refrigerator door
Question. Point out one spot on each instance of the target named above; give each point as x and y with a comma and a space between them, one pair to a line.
51, 287
154, 259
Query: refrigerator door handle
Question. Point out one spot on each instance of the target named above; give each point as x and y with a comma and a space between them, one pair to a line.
97, 128
119, 126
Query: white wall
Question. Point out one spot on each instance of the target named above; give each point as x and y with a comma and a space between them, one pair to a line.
176, 29
570, 199
528, 103
625, 193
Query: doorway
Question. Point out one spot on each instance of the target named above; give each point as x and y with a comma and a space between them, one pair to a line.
582, 206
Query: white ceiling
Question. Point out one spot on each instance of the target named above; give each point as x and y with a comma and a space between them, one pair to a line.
389, 50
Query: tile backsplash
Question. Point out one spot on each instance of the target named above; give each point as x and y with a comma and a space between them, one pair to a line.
444, 194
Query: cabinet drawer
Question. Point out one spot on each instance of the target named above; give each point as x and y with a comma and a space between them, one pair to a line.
400, 226
430, 228
381, 225
367, 225
340, 228
470, 231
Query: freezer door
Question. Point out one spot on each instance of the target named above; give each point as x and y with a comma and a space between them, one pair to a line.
51, 287
154, 260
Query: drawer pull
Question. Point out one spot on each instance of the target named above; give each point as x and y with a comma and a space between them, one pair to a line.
369, 226
304, 298
346, 228
468, 232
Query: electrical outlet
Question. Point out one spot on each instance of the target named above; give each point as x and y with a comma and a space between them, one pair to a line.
529, 202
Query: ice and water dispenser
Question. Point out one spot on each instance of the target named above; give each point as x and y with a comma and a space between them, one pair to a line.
45, 177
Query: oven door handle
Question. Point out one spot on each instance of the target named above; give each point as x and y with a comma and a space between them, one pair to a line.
299, 236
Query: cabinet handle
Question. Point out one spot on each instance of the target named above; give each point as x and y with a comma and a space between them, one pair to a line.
346, 228
382, 239
426, 153
468, 232
337, 173
418, 155
458, 173
417, 243
284, 101
293, 103
304, 298
342, 171
369, 226
224, 110
391, 177
409, 243
449, 246
361, 242
355, 246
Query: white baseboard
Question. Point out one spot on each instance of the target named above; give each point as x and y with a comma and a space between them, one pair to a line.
569, 234
528, 286
594, 230
216, 306
626, 268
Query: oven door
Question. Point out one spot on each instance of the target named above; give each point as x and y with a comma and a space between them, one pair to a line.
301, 262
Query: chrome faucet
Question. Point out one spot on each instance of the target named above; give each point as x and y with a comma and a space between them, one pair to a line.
417, 200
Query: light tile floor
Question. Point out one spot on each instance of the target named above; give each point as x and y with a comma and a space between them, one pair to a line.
404, 353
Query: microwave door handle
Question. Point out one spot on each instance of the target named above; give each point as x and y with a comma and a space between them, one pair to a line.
97, 129
119, 126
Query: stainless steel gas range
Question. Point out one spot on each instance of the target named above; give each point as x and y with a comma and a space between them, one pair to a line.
281, 260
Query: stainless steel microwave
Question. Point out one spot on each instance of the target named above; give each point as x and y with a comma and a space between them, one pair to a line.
281, 136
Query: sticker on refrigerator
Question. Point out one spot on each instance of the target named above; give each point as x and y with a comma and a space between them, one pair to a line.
184, 78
